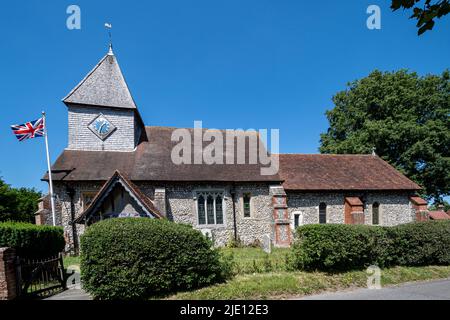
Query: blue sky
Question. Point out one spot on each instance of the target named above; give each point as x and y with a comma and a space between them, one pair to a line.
232, 64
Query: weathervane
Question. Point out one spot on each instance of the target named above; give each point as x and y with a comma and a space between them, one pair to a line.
108, 26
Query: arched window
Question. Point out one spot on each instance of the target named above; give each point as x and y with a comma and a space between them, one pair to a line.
246, 203
219, 210
201, 210
376, 213
322, 213
210, 209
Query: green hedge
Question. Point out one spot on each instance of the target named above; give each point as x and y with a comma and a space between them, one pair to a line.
32, 241
135, 259
346, 247
426, 243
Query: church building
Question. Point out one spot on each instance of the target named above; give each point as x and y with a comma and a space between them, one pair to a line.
115, 166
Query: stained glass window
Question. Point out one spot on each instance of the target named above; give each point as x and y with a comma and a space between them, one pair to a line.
201, 210
219, 210
210, 209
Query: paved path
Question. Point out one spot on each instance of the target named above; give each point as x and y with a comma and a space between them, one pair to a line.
430, 290
71, 294
74, 291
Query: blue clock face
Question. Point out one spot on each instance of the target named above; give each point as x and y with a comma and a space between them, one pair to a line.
102, 126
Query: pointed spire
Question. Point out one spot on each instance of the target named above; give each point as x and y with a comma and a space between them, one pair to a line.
110, 52
108, 26
104, 86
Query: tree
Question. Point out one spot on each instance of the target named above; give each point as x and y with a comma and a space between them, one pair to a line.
405, 117
425, 13
435, 207
17, 204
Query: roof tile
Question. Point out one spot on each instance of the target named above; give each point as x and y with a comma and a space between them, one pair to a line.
354, 201
340, 172
438, 215
103, 86
152, 161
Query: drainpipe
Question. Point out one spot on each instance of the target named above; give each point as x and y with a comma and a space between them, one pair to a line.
233, 196
71, 194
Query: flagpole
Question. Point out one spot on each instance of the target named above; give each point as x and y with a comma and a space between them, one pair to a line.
52, 200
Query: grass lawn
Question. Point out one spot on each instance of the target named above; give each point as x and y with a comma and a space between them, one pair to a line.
279, 285
264, 276
255, 260
71, 261
247, 260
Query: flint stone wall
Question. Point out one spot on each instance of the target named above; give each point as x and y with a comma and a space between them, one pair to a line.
395, 208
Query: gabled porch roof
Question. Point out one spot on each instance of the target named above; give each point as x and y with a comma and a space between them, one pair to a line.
117, 178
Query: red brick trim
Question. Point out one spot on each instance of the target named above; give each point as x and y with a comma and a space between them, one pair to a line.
7, 274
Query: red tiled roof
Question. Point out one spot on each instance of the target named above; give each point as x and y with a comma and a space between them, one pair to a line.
418, 200
151, 161
340, 172
354, 201
438, 215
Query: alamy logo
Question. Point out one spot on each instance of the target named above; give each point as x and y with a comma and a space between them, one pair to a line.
374, 20
221, 147
74, 280
374, 277
73, 22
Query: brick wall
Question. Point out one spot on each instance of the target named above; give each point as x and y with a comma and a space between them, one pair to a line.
357, 217
282, 228
420, 207
7, 274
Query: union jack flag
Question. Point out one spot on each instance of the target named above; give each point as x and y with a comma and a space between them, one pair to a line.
29, 130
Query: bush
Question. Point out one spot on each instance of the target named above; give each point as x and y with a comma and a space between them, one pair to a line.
340, 247
424, 243
131, 259
32, 241
346, 247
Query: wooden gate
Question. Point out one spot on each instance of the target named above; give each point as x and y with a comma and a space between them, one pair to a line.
37, 278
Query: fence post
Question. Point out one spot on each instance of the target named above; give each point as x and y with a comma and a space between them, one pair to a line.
8, 289
19, 283
62, 271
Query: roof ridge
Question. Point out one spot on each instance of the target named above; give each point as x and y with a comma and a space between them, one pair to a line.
328, 154
125, 81
145, 201
105, 85
397, 172
203, 128
140, 194
84, 79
